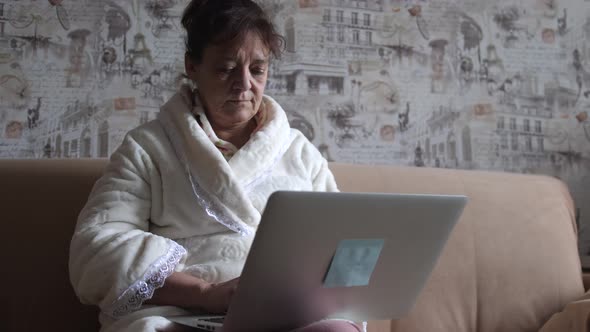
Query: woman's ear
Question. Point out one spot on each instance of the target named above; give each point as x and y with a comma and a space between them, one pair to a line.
190, 67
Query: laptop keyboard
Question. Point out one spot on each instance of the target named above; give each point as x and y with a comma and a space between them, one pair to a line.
214, 319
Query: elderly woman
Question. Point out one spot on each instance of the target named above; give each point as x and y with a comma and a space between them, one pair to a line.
167, 228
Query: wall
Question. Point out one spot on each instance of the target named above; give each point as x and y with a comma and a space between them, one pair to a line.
470, 84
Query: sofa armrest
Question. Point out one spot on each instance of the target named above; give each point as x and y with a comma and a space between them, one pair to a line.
575, 317
379, 326
586, 280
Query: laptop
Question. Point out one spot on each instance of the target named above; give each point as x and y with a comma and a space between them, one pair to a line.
354, 256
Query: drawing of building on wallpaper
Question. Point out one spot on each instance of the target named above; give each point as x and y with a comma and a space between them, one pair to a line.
522, 128
83, 130
513, 131
3, 19
83, 127
328, 42
330, 45
443, 138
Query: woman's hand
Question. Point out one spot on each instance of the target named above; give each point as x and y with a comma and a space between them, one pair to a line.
184, 290
215, 298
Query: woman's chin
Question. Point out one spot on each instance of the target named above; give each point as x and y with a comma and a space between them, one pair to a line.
238, 104
242, 111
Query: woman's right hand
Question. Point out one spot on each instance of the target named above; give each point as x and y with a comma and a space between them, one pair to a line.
215, 298
186, 291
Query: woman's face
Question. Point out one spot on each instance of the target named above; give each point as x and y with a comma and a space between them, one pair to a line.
231, 78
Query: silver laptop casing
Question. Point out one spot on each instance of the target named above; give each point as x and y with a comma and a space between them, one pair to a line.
281, 286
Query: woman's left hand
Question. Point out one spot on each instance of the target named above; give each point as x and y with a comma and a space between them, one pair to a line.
215, 298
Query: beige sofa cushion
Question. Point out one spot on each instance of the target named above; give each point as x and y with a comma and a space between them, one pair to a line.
511, 261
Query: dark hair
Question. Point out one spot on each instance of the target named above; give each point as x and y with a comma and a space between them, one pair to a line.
210, 22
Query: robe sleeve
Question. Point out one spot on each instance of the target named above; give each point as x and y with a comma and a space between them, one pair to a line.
321, 176
115, 262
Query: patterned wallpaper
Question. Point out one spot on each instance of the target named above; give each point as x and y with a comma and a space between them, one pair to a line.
468, 84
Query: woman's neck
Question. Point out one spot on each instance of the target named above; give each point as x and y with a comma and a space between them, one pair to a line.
238, 135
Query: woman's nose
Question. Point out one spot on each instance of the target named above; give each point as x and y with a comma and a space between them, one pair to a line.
242, 80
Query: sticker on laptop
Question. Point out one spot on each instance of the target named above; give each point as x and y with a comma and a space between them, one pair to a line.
353, 263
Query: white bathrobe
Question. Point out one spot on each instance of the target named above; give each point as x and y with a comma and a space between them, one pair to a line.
169, 201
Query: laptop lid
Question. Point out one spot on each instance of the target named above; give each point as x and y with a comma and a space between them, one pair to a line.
291, 276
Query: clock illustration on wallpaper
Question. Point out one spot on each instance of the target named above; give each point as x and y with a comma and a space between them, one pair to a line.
14, 88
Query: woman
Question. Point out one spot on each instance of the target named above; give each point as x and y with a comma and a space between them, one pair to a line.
167, 228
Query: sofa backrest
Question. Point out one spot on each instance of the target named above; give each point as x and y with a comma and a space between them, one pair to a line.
510, 263
512, 259
40, 202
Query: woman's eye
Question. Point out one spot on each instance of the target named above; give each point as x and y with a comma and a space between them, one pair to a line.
226, 70
258, 70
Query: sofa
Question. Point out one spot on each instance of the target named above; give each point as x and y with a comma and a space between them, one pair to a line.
511, 263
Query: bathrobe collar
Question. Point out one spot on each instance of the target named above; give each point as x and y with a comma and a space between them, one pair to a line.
222, 187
